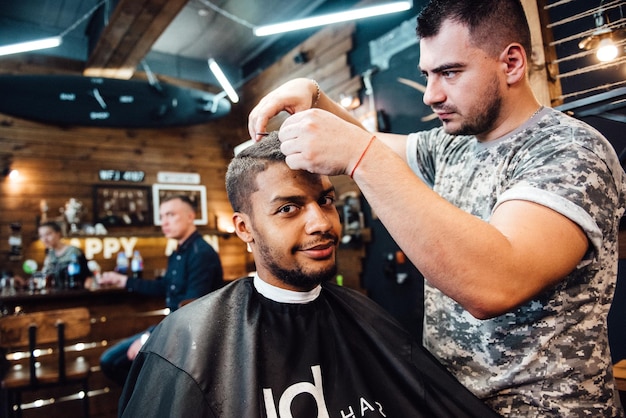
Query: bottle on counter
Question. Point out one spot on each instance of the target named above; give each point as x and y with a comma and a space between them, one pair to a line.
7, 283
15, 241
122, 263
136, 265
73, 273
49, 269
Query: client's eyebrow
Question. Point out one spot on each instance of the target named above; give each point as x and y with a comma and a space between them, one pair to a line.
301, 199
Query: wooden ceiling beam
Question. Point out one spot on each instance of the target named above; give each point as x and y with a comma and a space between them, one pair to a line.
133, 28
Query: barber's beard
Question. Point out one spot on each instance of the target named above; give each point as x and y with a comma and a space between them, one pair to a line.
296, 276
484, 115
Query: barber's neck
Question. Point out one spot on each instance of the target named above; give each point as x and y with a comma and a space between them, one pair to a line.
512, 116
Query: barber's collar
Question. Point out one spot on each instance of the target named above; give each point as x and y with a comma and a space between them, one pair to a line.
278, 294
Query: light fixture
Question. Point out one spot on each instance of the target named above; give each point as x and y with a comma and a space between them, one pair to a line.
604, 39
36, 45
221, 78
607, 50
354, 14
45, 43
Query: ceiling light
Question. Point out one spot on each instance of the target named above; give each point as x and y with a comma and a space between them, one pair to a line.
30, 45
354, 14
603, 39
607, 50
221, 78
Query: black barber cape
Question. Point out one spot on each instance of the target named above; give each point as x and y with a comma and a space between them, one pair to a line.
236, 354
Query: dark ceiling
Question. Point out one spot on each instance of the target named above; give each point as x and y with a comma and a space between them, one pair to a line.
176, 37
179, 37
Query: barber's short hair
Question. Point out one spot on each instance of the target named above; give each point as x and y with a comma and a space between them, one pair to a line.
244, 167
493, 24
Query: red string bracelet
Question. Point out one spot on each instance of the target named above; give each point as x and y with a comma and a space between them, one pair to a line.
362, 155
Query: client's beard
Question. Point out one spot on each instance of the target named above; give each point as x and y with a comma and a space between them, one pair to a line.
301, 279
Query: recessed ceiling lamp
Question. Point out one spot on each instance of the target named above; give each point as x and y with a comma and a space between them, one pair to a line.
221, 78
45, 43
327, 19
36, 45
604, 39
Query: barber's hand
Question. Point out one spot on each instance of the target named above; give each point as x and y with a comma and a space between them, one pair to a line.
113, 278
294, 96
320, 142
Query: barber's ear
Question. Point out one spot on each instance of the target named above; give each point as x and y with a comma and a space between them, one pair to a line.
241, 222
514, 62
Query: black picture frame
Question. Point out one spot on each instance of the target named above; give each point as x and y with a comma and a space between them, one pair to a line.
122, 206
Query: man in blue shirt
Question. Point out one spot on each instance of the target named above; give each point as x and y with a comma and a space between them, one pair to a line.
193, 270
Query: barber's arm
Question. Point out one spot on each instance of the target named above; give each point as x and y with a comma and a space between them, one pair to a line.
488, 267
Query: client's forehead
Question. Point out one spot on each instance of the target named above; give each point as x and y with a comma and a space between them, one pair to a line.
278, 178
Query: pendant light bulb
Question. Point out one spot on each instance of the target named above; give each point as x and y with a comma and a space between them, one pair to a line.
607, 50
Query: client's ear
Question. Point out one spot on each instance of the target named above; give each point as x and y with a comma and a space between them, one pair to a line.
241, 221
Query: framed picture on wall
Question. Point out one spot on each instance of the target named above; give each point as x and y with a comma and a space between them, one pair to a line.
122, 205
197, 194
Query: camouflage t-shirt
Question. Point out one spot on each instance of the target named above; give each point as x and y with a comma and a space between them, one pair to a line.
550, 356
